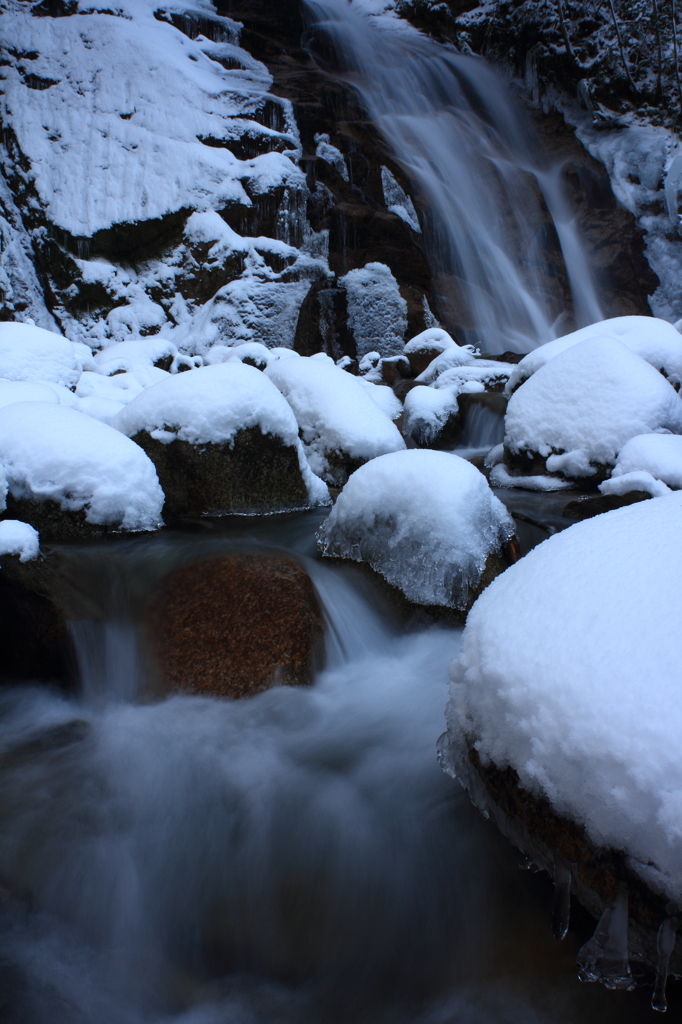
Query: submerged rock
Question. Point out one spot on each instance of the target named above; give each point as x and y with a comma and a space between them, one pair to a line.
236, 625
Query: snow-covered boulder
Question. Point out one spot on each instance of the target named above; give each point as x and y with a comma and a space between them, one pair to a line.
577, 411
103, 397
431, 418
426, 521
223, 439
452, 356
341, 426
69, 475
31, 353
649, 462
427, 346
568, 693
142, 353
17, 538
12, 391
251, 352
654, 340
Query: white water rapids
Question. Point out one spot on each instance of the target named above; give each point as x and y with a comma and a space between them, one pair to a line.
486, 192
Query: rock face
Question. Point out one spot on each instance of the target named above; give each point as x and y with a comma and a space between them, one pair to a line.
34, 640
236, 625
255, 472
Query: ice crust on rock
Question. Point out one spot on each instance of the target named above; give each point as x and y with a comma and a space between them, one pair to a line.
52, 452
570, 674
649, 462
17, 538
210, 405
31, 353
586, 403
427, 411
335, 414
654, 340
426, 520
377, 312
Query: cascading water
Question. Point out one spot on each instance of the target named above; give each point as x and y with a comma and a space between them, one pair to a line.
473, 161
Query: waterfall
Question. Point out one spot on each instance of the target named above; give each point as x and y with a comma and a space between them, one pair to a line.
479, 175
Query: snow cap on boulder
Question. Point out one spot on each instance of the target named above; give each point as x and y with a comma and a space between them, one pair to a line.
338, 420
17, 538
654, 340
52, 452
32, 353
569, 672
649, 462
586, 403
426, 521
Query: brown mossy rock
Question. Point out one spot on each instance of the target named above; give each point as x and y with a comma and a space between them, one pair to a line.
255, 473
598, 874
236, 625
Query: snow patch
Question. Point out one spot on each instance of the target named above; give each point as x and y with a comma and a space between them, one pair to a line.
17, 538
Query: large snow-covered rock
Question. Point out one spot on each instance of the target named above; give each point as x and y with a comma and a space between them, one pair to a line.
427, 346
649, 462
569, 672
31, 353
12, 391
654, 340
55, 458
223, 439
426, 521
580, 408
341, 426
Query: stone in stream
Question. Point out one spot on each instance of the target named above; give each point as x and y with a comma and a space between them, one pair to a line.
564, 722
223, 439
236, 625
425, 521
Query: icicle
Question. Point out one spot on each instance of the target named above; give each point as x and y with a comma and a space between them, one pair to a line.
665, 944
605, 957
561, 914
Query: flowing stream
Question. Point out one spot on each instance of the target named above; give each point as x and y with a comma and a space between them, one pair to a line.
295, 857
487, 194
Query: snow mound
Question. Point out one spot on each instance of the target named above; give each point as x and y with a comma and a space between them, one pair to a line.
586, 403
31, 353
569, 672
388, 402
425, 520
649, 462
51, 452
142, 352
449, 358
336, 416
654, 340
17, 538
12, 391
251, 351
427, 411
434, 339
210, 405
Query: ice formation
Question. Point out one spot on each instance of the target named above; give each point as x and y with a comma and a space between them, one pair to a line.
32, 353
581, 407
426, 520
397, 201
335, 415
210, 405
49, 452
17, 538
654, 340
648, 462
427, 410
570, 674
377, 312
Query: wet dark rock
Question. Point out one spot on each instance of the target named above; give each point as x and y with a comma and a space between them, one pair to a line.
34, 639
256, 473
595, 505
53, 522
235, 626
597, 874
